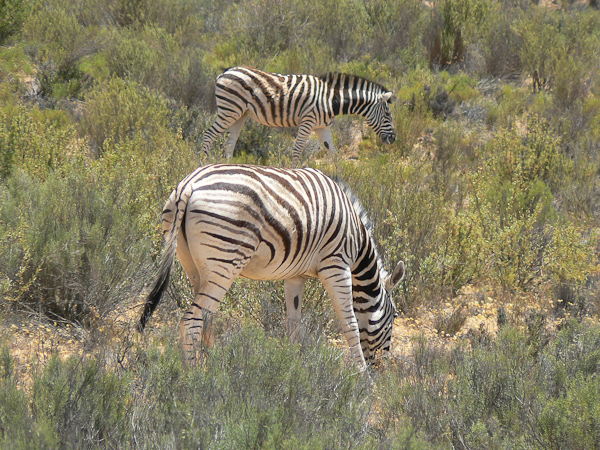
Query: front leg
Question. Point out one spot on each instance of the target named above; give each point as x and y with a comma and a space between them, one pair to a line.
338, 283
306, 127
327, 139
234, 133
294, 290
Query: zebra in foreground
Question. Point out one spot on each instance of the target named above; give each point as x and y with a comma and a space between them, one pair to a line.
262, 223
305, 101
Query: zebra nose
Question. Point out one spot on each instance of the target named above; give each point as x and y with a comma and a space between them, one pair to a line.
390, 138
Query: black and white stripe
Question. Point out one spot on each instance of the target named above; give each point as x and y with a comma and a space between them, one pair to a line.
305, 101
262, 223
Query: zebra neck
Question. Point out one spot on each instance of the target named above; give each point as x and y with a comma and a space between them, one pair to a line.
366, 280
351, 102
350, 94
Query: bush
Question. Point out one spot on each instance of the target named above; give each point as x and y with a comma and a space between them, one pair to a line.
163, 62
15, 420
395, 31
123, 110
58, 43
35, 145
513, 203
555, 43
507, 392
12, 15
253, 391
63, 247
79, 402
499, 44
454, 25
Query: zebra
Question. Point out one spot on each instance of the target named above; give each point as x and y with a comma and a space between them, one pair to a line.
225, 221
306, 101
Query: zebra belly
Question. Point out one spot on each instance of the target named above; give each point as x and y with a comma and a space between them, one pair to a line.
272, 120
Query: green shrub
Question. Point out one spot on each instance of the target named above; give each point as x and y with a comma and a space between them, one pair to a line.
394, 31
254, 31
454, 25
499, 44
510, 102
33, 142
64, 246
12, 15
79, 402
570, 257
540, 34
13, 61
131, 55
253, 391
163, 62
58, 43
554, 44
16, 424
121, 110
573, 421
505, 392
512, 203
462, 88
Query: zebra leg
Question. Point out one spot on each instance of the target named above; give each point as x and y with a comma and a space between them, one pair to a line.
218, 128
196, 324
304, 131
294, 289
216, 264
185, 258
234, 133
202, 331
327, 139
339, 286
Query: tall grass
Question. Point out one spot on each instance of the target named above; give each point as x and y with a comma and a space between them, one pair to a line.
254, 390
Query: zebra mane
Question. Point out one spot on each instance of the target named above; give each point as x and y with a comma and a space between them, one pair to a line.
364, 218
339, 80
358, 207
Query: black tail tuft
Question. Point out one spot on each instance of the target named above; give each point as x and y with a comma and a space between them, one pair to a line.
154, 298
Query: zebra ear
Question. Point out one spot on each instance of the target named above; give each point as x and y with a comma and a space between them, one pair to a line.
388, 97
395, 277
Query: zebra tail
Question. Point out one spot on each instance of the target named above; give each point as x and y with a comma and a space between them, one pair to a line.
164, 272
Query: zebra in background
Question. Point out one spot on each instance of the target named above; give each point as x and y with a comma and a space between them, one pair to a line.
226, 221
305, 101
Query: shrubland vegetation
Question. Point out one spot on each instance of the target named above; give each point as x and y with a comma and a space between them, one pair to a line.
491, 187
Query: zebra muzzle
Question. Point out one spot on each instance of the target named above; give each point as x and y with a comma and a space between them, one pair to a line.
389, 138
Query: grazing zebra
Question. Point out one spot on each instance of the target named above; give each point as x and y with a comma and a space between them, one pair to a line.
226, 221
305, 101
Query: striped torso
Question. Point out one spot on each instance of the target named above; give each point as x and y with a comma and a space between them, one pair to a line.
291, 221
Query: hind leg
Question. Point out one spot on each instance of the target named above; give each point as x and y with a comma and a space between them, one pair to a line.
225, 120
190, 332
234, 133
185, 258
196, 324
216, 274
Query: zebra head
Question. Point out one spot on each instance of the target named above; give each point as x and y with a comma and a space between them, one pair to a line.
379, 331
379, 117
